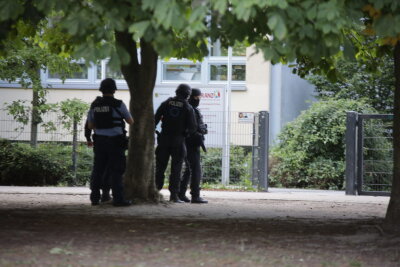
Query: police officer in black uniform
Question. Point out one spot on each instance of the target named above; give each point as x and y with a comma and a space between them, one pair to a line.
107, 116
192, 162
178, 121
106, 184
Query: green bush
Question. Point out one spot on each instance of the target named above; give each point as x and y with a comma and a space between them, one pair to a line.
211, 165
311, 149
24, 165
48, 164
240, 165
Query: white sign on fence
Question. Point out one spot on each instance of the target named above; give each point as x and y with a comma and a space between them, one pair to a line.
245, 117
212, 106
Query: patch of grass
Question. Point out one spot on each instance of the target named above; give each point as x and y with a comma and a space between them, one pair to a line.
355, 263
233, 187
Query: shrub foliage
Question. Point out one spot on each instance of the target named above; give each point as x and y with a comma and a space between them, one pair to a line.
310, 152
240, 165
48, 164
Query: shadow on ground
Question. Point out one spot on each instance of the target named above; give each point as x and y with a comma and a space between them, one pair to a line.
62, 230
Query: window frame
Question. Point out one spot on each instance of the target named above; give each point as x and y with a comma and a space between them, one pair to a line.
178, 62
45, 76
93, 81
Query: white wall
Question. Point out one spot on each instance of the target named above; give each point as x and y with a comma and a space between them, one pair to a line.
57, 95
256, 97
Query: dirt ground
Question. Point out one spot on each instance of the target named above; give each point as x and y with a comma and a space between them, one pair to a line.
42, 228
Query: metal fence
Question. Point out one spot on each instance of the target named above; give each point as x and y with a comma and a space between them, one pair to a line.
237, 147
369, 154
16, 131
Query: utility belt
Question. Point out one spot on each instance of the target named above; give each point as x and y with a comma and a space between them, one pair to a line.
122, 137
98, 137
172, 134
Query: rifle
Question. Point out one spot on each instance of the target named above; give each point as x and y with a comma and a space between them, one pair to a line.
202, 145
204, 131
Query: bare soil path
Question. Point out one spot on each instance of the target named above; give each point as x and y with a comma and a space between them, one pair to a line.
57, 227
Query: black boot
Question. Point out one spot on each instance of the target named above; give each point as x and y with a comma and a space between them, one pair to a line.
174, 198
184, 198
122, 203
95, 197
105, 197
198, 200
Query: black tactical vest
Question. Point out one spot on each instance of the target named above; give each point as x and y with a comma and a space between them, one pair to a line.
174, 116
103, 108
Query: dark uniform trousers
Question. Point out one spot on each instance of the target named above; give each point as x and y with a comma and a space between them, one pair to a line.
109, 155
192, 171
174, 147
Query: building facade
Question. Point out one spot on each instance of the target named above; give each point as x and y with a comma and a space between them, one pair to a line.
255, 84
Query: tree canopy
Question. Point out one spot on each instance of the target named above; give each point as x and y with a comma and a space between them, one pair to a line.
355, 81
314, 34
31, 50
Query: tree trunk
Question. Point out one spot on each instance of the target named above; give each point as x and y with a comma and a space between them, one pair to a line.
35, 117
74, 147
392, 220
139, 174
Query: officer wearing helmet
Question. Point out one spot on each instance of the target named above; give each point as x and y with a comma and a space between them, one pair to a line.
192, 162
106, 184
177, 121
107, 117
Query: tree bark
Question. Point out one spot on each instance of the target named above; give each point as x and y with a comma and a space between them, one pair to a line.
392, 220
139, 174
35, 117
74, 147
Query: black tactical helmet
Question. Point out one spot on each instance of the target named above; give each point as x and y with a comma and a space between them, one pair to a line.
108, 86
196, 92
183, 90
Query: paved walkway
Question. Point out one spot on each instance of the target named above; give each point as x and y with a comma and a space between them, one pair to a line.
272, 194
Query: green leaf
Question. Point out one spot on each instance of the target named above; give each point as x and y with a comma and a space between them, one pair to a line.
280, 3
244, 13
198, 14
312, 12
326, 28
168, 14
273, 21
348, 50
382, 25
195, 28
46, 4
150, 4
139, 28
220, 5
283, 4
277, 24
10, 10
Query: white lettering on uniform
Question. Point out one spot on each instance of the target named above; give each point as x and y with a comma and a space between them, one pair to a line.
102, 109
176, 103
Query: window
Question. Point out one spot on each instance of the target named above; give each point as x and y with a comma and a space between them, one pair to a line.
116, 75
181, 72
98, 71
81, 74
108, 72
238, 50
238, 72
218, 72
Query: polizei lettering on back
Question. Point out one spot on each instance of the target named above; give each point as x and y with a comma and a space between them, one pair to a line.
102, 109
176, 103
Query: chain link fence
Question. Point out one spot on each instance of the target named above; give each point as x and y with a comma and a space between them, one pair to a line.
235, 143
50, 130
